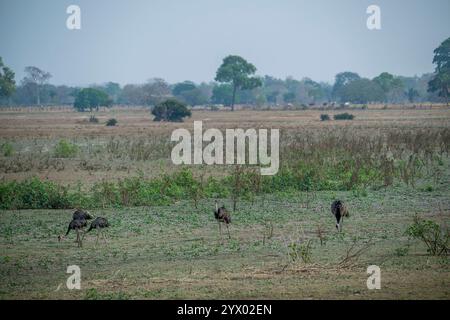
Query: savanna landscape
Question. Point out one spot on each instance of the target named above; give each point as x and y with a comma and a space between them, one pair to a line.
389, 165
224, 150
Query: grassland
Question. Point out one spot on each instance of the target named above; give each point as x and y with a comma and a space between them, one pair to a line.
175, 251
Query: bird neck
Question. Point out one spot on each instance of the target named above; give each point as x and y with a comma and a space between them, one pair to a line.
217, 206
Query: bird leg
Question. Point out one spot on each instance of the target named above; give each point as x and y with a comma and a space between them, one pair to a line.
104, 236
220, 230
228, 229
98, 235
78, 238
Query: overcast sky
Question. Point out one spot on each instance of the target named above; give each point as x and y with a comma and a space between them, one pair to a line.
131, 41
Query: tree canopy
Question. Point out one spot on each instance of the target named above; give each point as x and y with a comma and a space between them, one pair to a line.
7, 82
38, 78
236, 71
90, 98
441, 81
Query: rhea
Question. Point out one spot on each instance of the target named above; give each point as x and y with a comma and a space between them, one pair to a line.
222, 216
77, 225
99, 224
339, 211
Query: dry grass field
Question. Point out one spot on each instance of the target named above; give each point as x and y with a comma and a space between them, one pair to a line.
174, 251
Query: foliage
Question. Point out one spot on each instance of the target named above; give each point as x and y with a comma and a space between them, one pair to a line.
7, 149
38, 78
324, 117
65, 149
170, 110
7, 82
435, 237
441, 80
236, 71
90, 98
111, 122
343, 116
342, 80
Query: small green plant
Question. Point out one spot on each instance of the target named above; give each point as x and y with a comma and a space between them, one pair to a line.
65, 149
344, 116
7, 149
300, 251
401, 252
111, 122
324, 117
435, 237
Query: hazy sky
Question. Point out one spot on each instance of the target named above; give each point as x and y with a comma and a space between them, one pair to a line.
130, 41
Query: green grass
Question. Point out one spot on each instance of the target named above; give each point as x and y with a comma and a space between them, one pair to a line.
175, 251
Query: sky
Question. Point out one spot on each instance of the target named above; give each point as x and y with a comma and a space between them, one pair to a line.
132, 41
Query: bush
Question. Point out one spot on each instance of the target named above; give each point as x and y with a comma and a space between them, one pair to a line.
111, 122
429, 232
93, 119
7, 149
170, 110
324, 117
33, 194
344, 116
65, 149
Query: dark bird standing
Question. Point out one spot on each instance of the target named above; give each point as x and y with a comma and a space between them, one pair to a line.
77, 225
99, 224
222, 216
339, 210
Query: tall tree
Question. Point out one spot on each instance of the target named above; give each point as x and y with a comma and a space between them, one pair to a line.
343, 79
441, 80
236, 71
38, 78
7, 82
90, 98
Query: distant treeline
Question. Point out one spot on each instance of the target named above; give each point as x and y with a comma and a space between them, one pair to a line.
348, 87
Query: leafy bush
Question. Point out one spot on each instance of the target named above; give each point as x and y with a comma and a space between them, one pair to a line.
429, 232
33, 194
111, 122
324, 117
300, 251
344, 116
65, 149
7, 149
170, 110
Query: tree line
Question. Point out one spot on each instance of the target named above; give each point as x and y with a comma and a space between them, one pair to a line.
235, 83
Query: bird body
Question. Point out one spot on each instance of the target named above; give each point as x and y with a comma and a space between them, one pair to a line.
99, 223
339, 211
222, 216
76, 225
81, 214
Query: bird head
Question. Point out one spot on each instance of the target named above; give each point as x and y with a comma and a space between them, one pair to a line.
60, 238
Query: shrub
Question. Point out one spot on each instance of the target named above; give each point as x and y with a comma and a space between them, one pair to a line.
93, 119
170, 110
324, 117
111, 122
429, 232
65, 149
300, 251
7, 149
344, 116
